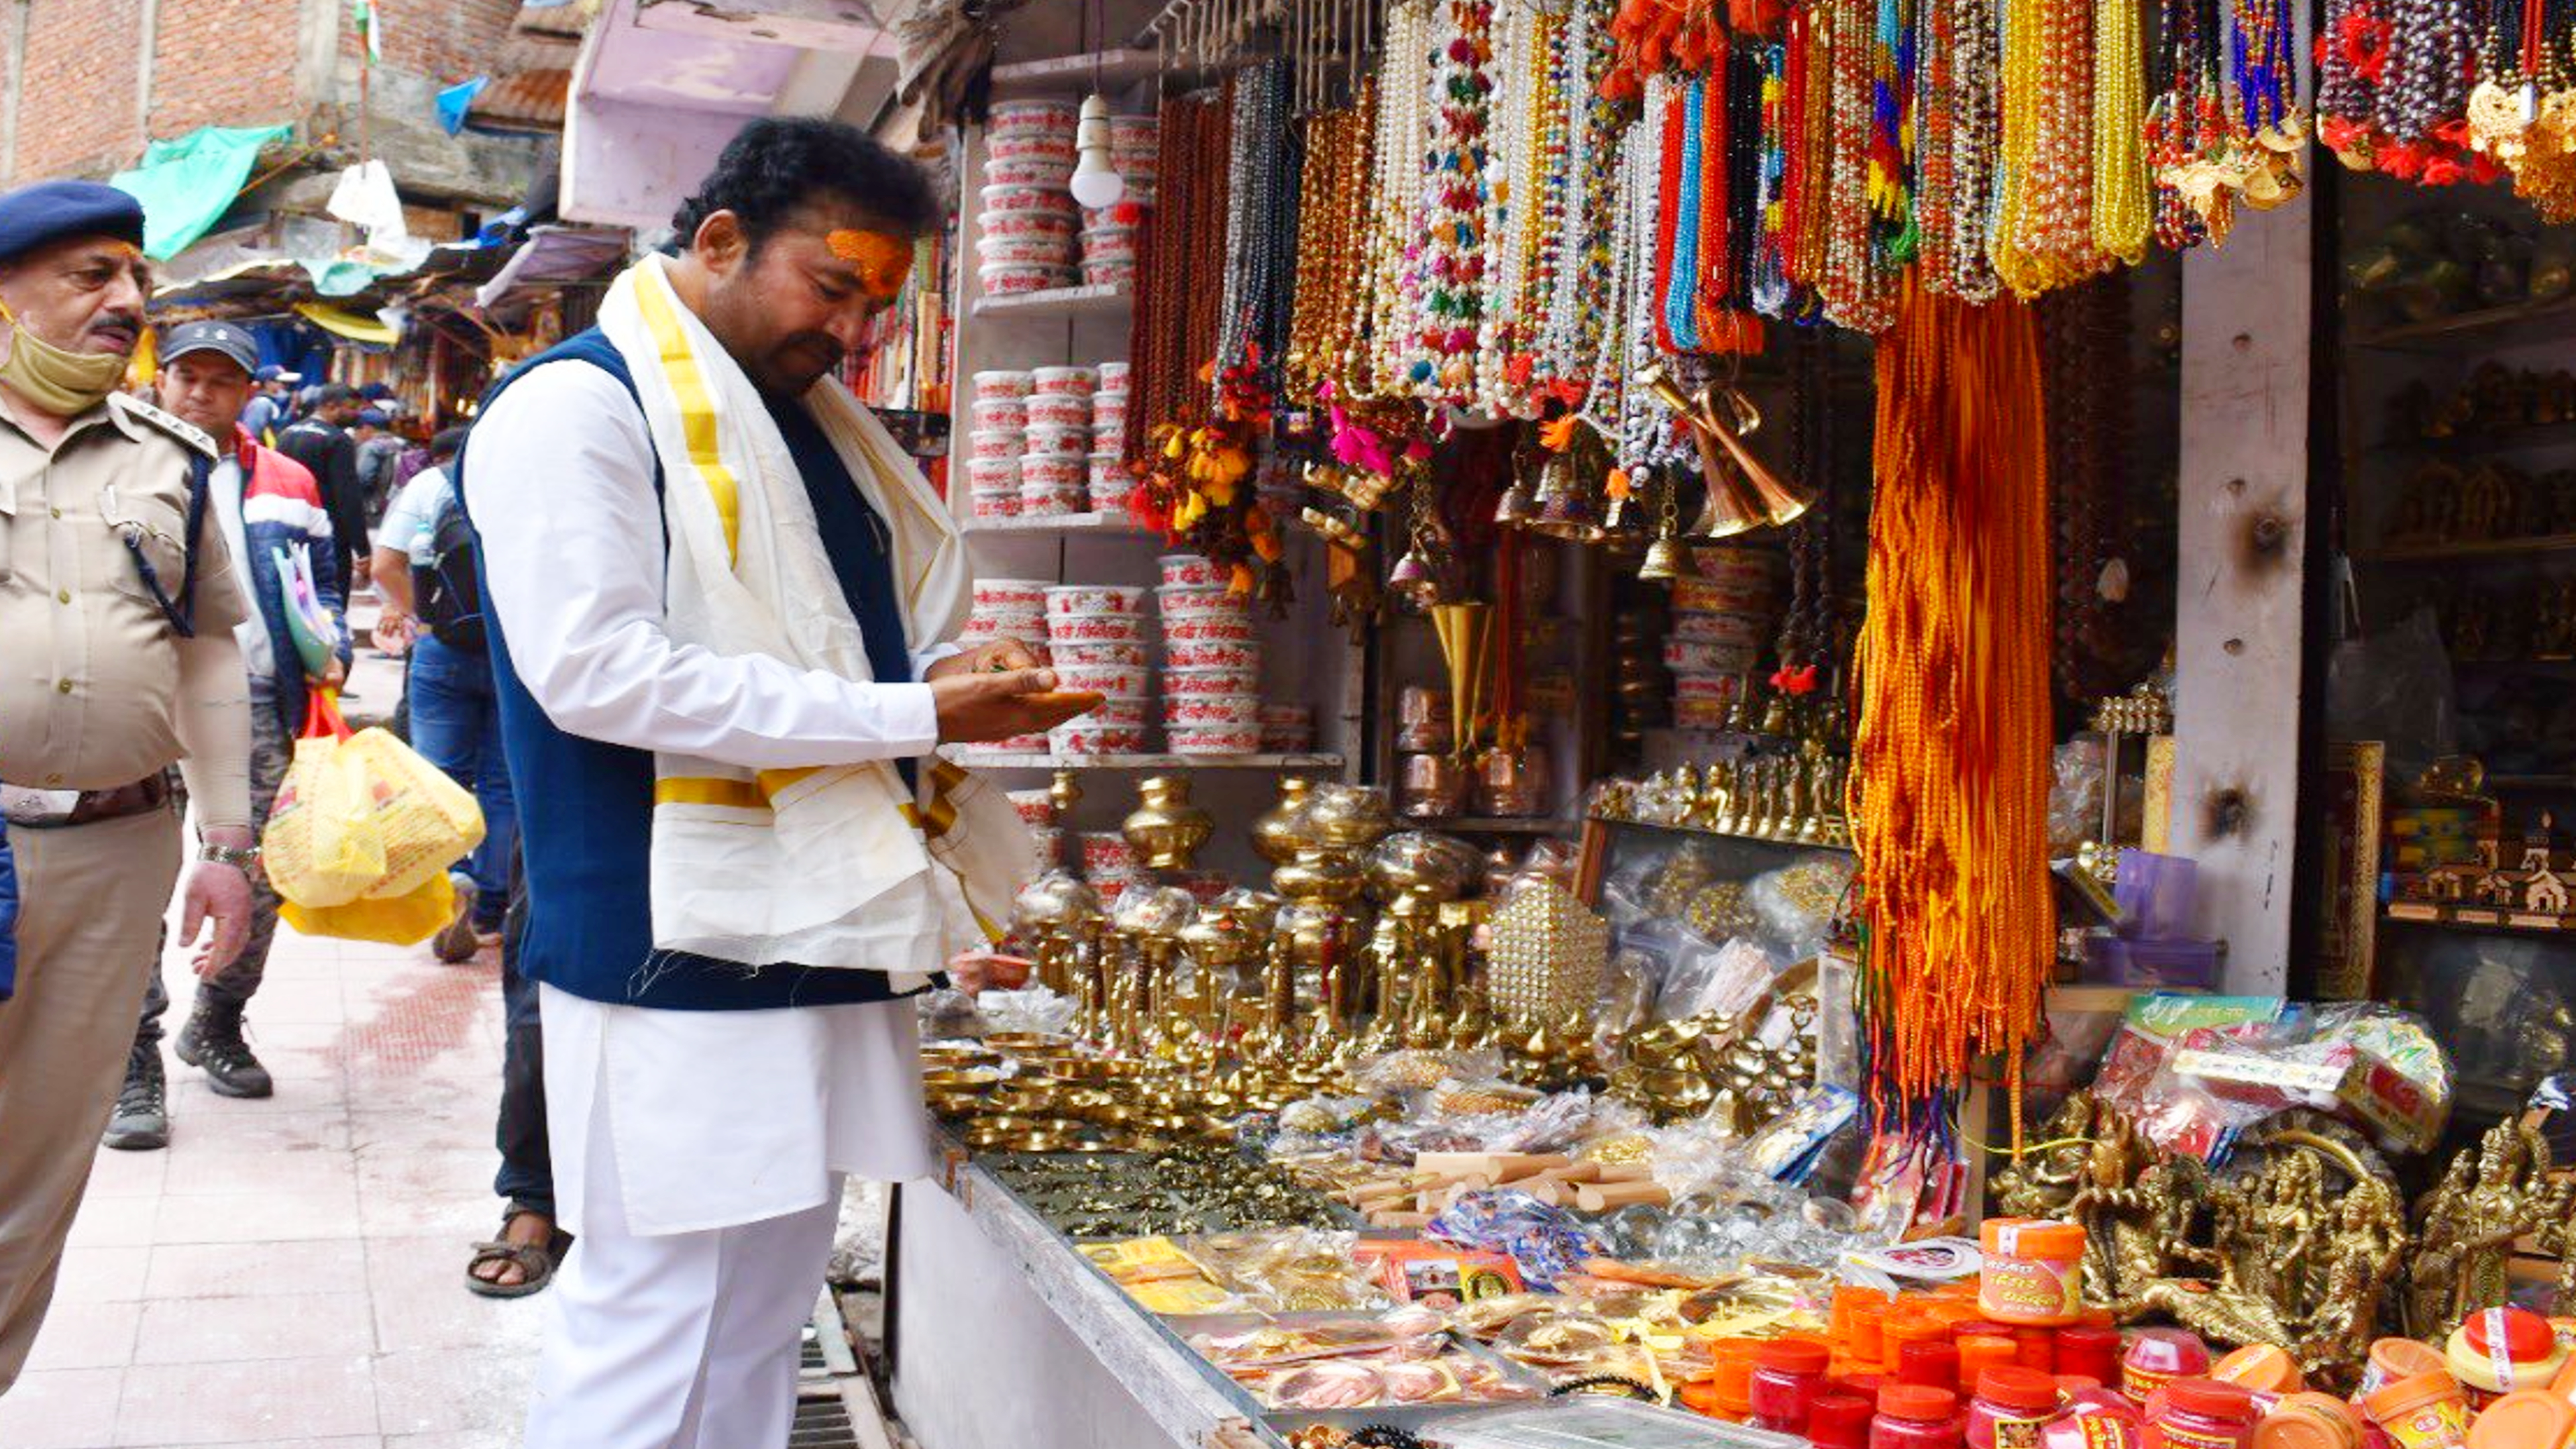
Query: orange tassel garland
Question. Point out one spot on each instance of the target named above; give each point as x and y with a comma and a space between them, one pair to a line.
1950, 766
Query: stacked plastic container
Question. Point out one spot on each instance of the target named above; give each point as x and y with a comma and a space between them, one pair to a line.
1096, 636
1027, 223
1029, 441
1106, 479
1211, 661
1724, 615
1110, 233
1010, 609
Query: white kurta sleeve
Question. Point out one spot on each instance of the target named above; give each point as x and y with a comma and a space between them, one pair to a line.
559, 482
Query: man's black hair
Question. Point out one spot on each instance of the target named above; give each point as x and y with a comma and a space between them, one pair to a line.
778, 165
334, 392
445, 442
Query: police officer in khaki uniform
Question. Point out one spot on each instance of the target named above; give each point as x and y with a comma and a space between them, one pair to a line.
117, 657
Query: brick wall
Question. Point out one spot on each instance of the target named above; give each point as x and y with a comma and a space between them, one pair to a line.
76, 100
222, 63
444, 40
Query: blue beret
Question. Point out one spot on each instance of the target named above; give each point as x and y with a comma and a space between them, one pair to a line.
52, 211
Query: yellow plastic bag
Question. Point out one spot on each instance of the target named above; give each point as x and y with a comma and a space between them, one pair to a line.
426, 821
402, 921
321, 846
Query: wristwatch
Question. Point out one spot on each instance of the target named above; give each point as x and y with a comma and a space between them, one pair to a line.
243, 860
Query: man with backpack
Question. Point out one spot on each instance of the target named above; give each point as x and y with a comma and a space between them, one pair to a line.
425, 571
271, 515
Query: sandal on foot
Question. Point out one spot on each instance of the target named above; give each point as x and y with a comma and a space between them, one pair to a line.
536, 1262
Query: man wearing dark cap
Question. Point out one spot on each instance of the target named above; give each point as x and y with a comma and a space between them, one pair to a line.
321, 442
269, 509
118, 600
265, 413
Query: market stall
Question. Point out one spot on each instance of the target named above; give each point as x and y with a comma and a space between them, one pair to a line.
1640, 877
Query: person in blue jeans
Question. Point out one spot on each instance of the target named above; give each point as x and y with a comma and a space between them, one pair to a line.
455, 715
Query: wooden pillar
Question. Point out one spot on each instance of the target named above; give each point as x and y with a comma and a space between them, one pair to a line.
2242, 584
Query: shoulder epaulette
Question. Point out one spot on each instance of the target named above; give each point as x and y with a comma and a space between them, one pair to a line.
186, 432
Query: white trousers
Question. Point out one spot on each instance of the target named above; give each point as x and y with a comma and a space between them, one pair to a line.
677, 1340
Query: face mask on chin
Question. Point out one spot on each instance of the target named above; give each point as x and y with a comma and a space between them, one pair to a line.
62, 382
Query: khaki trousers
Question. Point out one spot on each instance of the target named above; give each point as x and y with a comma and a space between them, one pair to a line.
91, 898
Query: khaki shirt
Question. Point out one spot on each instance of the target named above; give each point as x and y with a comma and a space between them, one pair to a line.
89, 666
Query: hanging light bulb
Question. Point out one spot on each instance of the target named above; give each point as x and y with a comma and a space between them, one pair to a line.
1095, 182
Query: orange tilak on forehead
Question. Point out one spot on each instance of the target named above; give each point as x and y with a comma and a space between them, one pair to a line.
882, 261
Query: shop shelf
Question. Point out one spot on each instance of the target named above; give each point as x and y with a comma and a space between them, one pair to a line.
1093, 301
1073, 76
2480, 548
1041, 760
1491, 824
2478, 918
2489, 326
2480, 440
1719, 834
1057, 523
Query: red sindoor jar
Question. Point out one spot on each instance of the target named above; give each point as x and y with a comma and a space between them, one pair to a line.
1788, 1374
1912, 1416
2203, 1414
2011, 1405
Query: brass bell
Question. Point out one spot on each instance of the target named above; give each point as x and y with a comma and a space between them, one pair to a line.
1517, 506
1665, 560
1565, 506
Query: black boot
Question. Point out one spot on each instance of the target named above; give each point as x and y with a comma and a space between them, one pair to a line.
212, 1039
142, 1120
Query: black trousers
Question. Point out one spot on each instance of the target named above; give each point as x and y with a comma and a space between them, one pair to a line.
527, 1175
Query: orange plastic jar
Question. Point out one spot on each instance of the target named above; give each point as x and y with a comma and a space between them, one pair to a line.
2034, 1272
2392, 1359
2525, 1419
1730, 1379
2265, 1368
2427, 1411
2311, 1421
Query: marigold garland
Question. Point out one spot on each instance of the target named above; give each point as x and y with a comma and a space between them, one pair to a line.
1949, 784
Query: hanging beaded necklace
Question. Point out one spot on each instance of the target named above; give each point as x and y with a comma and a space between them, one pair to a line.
2123, 212
1395, 195
1449, 270
1974, 47
1579, 304
1630, 193
1856, 291
2084, 350
1768, 287
1807, 627
1680, 267
1331, 245
2045, 236
1248, 329
2185, 62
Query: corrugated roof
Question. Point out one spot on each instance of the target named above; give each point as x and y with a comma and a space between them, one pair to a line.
532, 99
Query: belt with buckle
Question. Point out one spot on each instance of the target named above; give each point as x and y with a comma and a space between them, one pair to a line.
57, 809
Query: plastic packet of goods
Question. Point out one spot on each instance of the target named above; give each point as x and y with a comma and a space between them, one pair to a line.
1417, 1070
1799, 903
1546, 1242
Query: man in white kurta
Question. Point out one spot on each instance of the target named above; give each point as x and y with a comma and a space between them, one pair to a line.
684, 471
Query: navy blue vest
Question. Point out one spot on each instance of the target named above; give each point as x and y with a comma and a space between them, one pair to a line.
586, 809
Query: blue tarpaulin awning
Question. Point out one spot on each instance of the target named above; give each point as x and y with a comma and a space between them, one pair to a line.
187, 185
